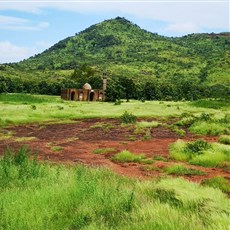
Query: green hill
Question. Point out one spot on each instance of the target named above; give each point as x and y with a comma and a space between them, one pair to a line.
122, 48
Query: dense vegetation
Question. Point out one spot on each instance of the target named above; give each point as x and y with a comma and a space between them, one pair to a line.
45, 196
138, 64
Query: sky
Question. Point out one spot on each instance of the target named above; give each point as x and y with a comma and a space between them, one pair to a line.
31, 26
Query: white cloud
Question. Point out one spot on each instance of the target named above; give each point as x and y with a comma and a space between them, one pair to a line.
183, 28
14, 53
202, 13
14, 23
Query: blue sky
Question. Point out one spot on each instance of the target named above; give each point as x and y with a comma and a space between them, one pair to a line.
29, 27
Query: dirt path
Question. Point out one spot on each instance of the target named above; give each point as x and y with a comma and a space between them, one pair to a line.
75, 142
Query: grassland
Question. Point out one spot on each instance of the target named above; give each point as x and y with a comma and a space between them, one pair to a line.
44, 196
24, 108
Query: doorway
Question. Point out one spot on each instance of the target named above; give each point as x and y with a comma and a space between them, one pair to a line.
91, 96
72, 96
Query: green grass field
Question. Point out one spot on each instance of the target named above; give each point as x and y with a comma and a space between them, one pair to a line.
25, 108
44, 196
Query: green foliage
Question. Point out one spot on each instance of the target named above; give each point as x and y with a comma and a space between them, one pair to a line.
217, 182
197, 147
211, 103
224, 139
128, 118
126, 156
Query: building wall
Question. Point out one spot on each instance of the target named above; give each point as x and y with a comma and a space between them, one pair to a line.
83, 94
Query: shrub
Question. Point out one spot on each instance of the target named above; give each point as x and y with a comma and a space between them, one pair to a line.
128, 118
33, 107
197, 146
224, 139
217, 182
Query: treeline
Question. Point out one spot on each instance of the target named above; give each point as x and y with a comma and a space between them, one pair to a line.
121, 87
164, 89
45, 86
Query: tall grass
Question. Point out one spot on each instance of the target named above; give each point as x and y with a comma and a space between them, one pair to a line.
79, 197
210, 155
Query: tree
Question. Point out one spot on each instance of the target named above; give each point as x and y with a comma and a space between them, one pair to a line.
128, 86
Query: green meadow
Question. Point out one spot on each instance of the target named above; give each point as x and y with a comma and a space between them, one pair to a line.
44, 196
25, 108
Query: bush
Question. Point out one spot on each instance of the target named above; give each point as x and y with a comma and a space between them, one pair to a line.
128, 118
197, 147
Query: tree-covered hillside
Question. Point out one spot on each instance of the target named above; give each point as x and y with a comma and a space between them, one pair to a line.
124, 50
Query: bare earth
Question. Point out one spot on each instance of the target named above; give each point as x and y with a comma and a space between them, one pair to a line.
78, 140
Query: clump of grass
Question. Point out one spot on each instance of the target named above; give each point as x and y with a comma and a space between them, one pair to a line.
205, 124
178, 131
147, 135
160, 158
104, 150
209, 128
151, 168
71, 139
101, 125
126, 156
147, 161
56, 148
224, 139
181, 170
147, 124
24, 139
200, 153
131, 138
5, 134
217, 182
128, 118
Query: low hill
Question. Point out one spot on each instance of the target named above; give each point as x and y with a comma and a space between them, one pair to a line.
122, 48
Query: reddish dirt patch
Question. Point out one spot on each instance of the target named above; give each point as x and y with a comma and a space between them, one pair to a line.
78, 140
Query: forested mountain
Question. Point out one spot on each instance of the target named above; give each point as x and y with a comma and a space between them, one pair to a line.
124, 50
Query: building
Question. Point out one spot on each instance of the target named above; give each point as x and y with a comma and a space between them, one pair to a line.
85, 94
